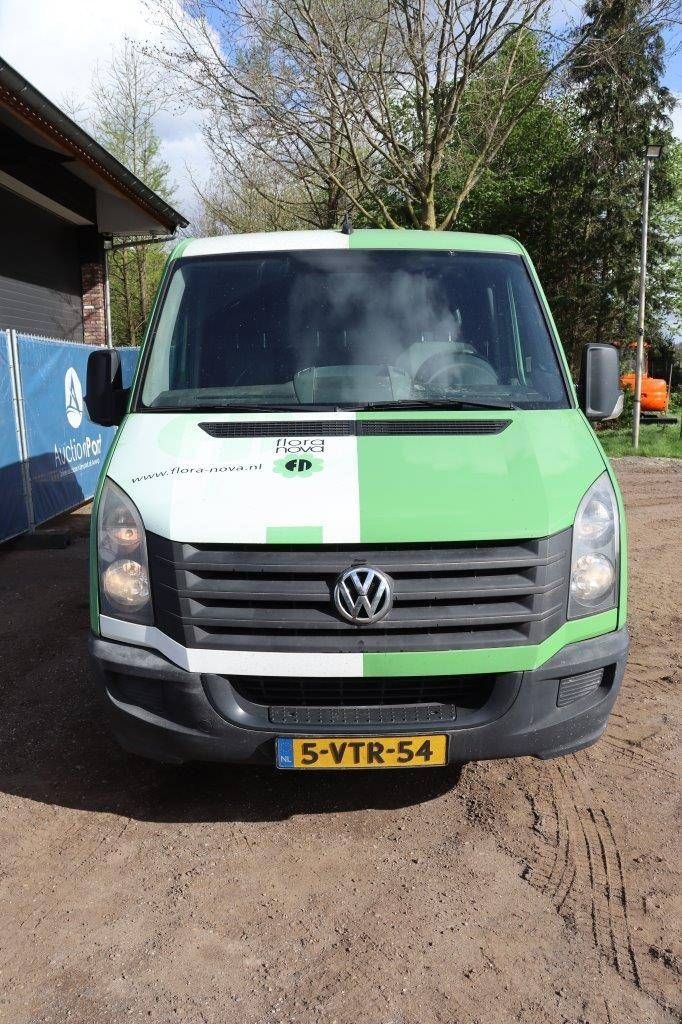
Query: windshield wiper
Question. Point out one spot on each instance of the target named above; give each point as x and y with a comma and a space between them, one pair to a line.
443, 404
213, 406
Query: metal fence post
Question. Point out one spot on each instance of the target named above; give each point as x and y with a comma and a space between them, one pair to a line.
20, 421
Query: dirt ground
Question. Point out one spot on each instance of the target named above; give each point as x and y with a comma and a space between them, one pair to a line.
514, 891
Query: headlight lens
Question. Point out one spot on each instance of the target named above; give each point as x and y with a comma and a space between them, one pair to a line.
595, 521
121, 528
592, 577
125, 592
126, 584
595, 554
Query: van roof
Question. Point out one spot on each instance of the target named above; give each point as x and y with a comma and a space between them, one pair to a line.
361, 238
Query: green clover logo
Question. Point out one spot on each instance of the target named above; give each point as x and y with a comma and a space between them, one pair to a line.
298, 465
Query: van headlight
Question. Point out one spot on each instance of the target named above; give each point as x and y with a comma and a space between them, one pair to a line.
595, 553
124, 587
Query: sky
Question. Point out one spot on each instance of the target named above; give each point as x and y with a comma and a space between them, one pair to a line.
59, 44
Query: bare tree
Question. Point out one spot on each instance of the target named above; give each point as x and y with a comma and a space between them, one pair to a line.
127, 98
355, 104
248, 198
304, 176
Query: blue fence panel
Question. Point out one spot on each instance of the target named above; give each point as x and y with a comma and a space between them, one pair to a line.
129, 357
13, 512
65, 449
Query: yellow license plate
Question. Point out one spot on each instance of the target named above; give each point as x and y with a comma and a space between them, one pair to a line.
362, 752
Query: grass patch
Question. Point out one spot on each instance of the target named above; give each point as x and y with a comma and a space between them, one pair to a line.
655, 441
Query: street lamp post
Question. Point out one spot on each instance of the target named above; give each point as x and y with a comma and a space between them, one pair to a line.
652, 153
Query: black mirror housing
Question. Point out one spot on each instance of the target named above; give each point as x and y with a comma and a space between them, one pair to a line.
106, 398
599, 388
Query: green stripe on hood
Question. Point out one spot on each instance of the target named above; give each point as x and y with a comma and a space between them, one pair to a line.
526, 481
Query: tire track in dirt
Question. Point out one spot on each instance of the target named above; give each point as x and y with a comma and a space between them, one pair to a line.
65, 859
578, 865
639, 759
604, 885
576, 862
582, 870
587, 883
608, 908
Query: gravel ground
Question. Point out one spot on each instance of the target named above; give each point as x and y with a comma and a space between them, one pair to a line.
512, 891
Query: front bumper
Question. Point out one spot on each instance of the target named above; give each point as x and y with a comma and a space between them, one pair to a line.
162, 712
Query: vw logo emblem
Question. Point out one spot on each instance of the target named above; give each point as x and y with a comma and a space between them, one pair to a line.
363, 595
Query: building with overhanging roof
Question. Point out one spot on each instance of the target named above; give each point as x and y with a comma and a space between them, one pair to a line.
62, 197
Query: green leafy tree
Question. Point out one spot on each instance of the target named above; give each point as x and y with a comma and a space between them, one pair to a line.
517, 194
622, 106
568, 180
665, 281
510, 193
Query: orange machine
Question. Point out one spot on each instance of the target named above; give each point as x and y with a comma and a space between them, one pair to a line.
654, 391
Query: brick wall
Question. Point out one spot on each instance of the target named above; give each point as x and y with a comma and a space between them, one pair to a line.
94, 308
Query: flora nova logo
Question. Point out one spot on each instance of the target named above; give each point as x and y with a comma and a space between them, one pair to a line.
73, 398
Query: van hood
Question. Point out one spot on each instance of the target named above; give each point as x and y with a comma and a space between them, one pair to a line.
192, 483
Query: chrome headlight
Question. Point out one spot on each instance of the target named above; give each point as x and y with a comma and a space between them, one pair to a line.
124, 587
595, 554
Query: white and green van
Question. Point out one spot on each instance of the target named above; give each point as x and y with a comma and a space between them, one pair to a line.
355, 514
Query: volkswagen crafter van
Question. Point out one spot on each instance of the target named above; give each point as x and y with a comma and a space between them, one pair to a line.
354, 514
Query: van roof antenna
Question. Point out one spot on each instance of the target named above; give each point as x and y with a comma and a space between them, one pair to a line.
347, 225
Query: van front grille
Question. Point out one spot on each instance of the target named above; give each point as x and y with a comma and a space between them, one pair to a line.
394, 700
278, 597
464, 691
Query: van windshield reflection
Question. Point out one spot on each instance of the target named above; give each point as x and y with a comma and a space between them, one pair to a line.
352, 330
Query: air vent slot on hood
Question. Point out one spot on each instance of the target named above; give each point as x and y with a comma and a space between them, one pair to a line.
352, 428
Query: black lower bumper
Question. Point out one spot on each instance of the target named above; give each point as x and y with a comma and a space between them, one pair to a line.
163, 712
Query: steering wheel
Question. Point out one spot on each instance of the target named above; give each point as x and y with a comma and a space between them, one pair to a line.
464, 368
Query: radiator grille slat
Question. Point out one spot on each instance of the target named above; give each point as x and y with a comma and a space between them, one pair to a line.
279, 597
319, 559
222, 616
301, 591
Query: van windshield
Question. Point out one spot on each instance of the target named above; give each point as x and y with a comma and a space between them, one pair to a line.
352, 329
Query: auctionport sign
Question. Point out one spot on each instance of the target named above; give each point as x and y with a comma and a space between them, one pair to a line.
64, 448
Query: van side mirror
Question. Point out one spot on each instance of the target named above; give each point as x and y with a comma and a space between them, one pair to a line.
106, 398
599, 389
